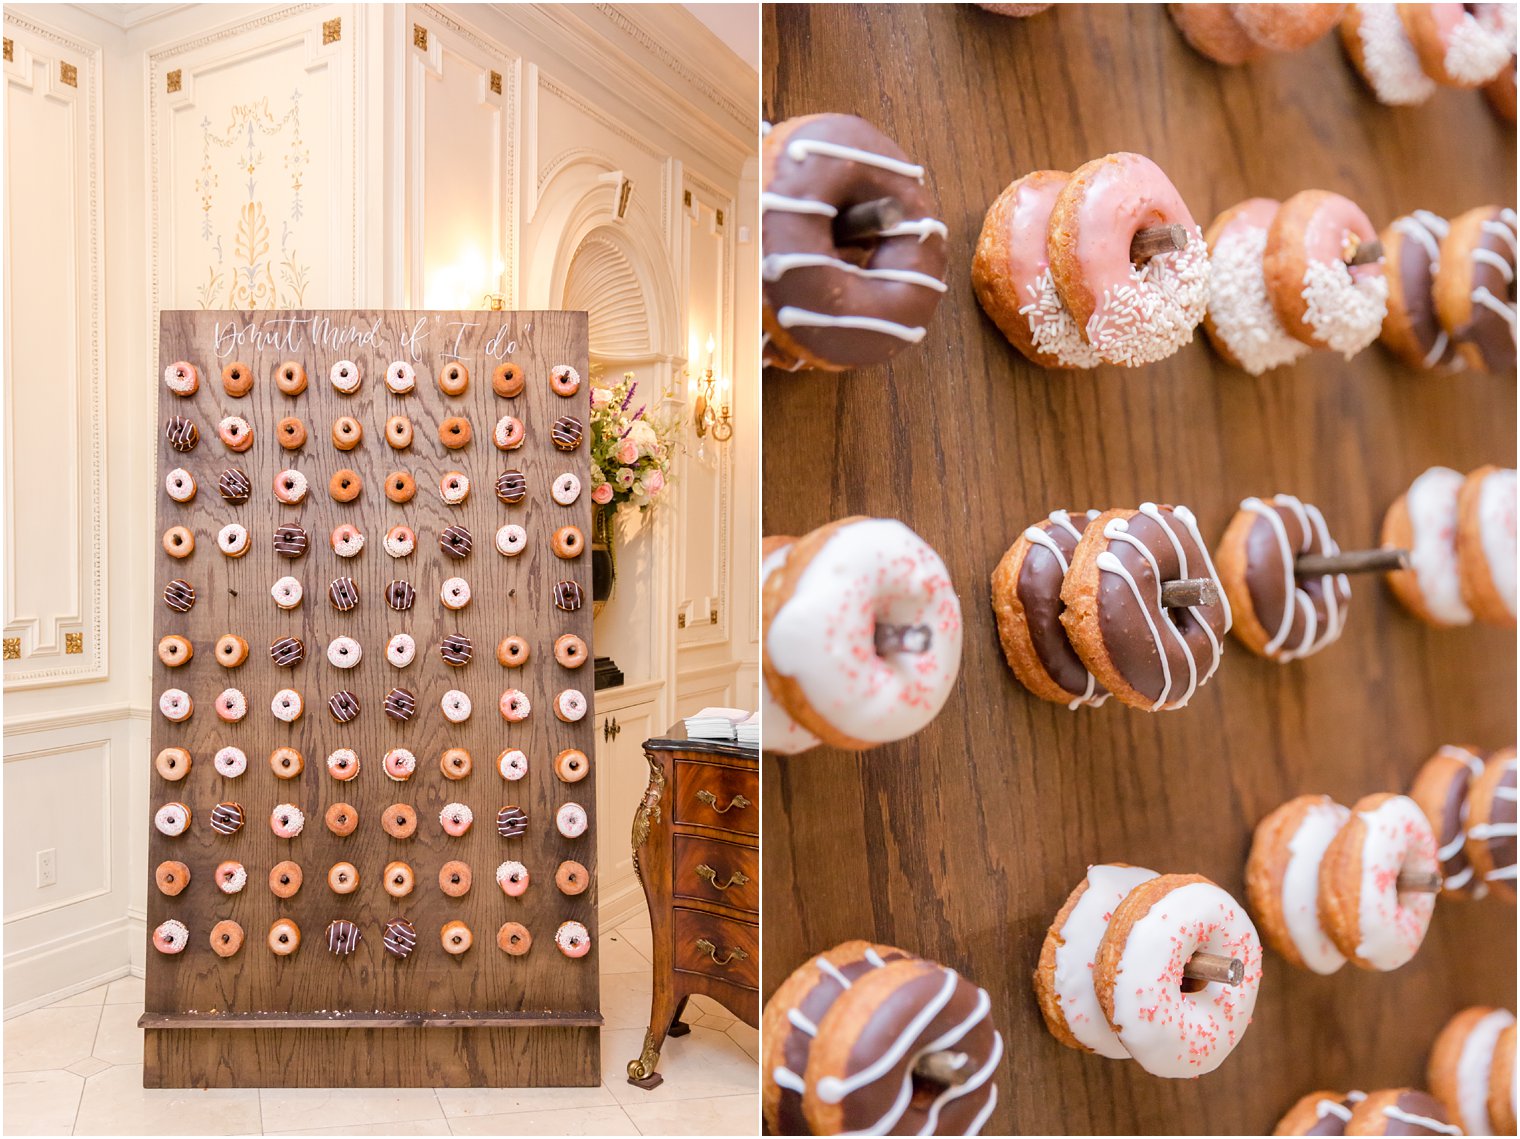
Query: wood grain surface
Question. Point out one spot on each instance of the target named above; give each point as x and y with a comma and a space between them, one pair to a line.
960, 843
510, 596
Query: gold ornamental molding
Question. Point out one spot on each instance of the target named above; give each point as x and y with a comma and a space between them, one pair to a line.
496, 83
10, 50
173, 81
332, 30
68, 74
12, 648
73, 643
419, 37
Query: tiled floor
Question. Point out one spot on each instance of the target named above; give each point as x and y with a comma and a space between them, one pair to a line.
75, 1067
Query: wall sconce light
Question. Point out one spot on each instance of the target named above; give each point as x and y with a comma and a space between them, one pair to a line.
703, 415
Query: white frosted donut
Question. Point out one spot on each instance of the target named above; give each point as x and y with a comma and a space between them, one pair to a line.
232, 539
172, 819
233, 879
401, 649
1170, 1032
511, 539
1390, 924
1496, 530
821, 638
179, 485
181, 378
176, 705
1080, 935
513, 764
287, 705
783, 735
1390, 64
400, 377
454, 593
1240, 308
290, 486
455, 489
1300, 885
345, 376
566, 489
400, 542
286, 592
343, 652
570, 820
570, 705
456, 706
1432, 505
230, 762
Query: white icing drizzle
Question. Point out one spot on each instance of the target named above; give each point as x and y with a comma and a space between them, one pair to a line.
921, 228
800, 148
985, 1114
801, 1023
773, 267
1331, 1107
827, 966
783, 204
832, 1089
793, 317
789, 1080
1425, 229
1038, 536
873, 957
1393, 1112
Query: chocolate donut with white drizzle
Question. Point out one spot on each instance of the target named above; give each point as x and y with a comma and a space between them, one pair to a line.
1412, 261
1475, 288
1441, 789
839, 308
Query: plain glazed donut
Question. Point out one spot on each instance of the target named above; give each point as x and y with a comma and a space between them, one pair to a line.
513, 878
512, 763
399, 821
1424, 520
235, 433
171, 877
572, 878
571, 765
174, 650
1129, 314
1282, 880
509, 433
1241, 321
1373, 923
291, 433
341, 819
285, 879
564, 380
347, 433
172, 764
290, 487
1169, 1027
286, 763
342, 878
456, 938
454, 432
454, 487
226, 937
284, 937
171, 937
182, 378
290, 377
1461, 45
455, 763
345, 486
512, 652
398, 432
848, 577
1379, 49
1319, 298
454, 878
231, 877
507, 380
840, 309
454, 378
568, 542
569, 651
513, 938
399, 879
179, 542
1286, 27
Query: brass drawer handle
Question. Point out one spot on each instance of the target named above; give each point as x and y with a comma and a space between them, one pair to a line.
712, 801
737, 878
711, 950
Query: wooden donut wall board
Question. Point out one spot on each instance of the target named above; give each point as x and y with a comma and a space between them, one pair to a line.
961, 843
368, 1019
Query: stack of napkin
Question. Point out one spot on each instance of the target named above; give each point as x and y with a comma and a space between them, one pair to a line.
715, 723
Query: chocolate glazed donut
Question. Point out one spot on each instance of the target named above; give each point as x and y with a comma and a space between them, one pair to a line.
834, 308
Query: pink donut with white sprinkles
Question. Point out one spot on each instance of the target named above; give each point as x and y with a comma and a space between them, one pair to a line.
514, 705
171, 937
512, 877
573, 939
231, 706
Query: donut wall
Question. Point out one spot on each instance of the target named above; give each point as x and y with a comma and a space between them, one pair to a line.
943, 857
372, 839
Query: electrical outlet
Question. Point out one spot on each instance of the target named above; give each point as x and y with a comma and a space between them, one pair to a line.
47, 867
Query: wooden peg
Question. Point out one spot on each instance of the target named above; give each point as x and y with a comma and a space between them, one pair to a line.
1366, 253
948, 1069
1352, 561
1156, 240
1213, 967
903, 639
1189, 591
867, 220
1413, 882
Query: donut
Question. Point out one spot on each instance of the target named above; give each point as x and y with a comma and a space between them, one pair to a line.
341, 819
1277, 613
569, 651
514, 705
342, 878
343, 594
290, 487
1319, 1113
400, 650
511, 822
1461, 1062
234, 486
454, 879
511, 540
285, 879
175, 705
455, 541
1129, 314
833, 308
1063, 979
345, 486
1461, 45
342, 937
1134, 552
343, 706
1010, 271
287, 592
226, 937
512, 764
1213, 33
860, 1073
1170, 1027
454, 593
1501, 1084
573, 939
291, 433
284, 937
455, 706
181, 434
453, 488
172, 819
399, 879
287, 652
455, 763
1400, 1111
179, 542
782, 733
1286, 27
568, 542
1282, 880
345, 377
343, 764
1411, 265
507, 380
1241, 322
568, 595
455, 819
290, 377
400, 487
454, 378
514, 938
179, 595
231, 877
511, 486
1441, 789
344, 652
1424, 521
171, 937
1319, 298
400, 377
174, 650
171, 877
1474, 287
347, 433
566, 432
821, 613
233, 540
1500, 93
570, 705
235, 433
512, 652
456, 938
230, 706
1379, 48
231, 650
570, 820
564, 380
182, 378
1486, 544
287, 820
179, 484
512, 877
1369, 919
571, 765
398, 432
572, 878
287, 705
565, 489
1491, 824
1026, 599
509, 433
172, 764
400, 938
454, 433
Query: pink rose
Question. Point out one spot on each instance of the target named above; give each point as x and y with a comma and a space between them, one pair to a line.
602, 495
654, 483
627, 452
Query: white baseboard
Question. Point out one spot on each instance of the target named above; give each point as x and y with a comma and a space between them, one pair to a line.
34, 976
621, 905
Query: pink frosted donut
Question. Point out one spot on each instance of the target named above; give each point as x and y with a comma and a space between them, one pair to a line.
400, 541
1319, 298
512, 877
235, 433
455, 818
509, 433
1130, 314
514, 705
230, 762
181, 378
399, 764
570, 705
512, 764
1461, 45
176, 705
231, 706
171, 937
287, 820
570, 820
573, 939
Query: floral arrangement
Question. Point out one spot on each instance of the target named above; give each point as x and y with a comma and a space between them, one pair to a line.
631, 449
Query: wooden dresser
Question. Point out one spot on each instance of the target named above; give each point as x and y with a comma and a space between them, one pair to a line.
696, 848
